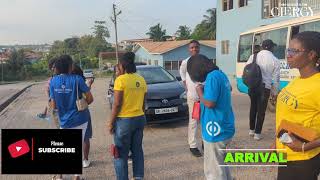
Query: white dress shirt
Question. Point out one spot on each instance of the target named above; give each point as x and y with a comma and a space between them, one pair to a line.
270, 69
191, 86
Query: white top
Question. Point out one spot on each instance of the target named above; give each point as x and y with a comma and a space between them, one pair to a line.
191, 86
270, 69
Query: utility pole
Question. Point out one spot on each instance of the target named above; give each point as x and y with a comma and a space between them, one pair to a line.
114, 20
2, 71
80, 58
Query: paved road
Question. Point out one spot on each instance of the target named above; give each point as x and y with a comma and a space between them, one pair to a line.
8, 90
165, 146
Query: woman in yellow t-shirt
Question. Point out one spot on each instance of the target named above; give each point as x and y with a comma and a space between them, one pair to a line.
299, 102
127, 119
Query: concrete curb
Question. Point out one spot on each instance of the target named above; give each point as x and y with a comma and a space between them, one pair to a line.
13, 97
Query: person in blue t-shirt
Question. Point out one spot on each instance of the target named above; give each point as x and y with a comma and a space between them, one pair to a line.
217, 118
63, 95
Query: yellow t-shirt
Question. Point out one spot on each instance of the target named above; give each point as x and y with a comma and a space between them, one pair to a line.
134, 88
299, 102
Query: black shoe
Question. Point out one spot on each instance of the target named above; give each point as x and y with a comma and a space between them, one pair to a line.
195, 152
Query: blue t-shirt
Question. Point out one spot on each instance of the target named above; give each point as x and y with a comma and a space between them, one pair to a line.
217, 123
63, 90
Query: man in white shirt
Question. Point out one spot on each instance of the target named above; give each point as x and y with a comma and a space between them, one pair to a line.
192, 97
270, 71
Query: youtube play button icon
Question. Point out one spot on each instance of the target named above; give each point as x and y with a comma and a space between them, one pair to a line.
18, 148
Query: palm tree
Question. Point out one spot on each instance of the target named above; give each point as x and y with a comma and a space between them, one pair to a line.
183, 33
206, 30
156, 33
210, 23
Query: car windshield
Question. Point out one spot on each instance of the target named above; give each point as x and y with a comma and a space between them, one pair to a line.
155, 75
87, 71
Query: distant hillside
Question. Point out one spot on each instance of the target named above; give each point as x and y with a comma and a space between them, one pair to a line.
37, 48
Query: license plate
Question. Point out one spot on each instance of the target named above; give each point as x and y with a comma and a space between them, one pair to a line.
166, 110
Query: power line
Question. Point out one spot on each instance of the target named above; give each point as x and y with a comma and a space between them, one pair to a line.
134, 31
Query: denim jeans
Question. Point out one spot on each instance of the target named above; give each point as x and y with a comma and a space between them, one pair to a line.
128, 136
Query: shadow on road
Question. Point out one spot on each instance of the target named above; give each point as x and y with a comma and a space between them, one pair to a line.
168, 125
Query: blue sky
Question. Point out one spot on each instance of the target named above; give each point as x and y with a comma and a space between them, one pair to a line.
43, 21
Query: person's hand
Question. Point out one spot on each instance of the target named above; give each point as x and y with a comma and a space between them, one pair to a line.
199, 89
89, 82
110, 127
296, 144
274, 97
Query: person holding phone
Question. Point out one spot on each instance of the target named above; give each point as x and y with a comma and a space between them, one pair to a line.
299, 103
128, 119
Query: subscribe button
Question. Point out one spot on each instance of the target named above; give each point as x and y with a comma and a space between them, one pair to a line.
41, 151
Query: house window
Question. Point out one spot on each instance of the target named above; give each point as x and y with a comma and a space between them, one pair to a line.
167, 65
225, 47
149, 62
271, 8
175, 65
227, 5
243, 3
180, 62
156, 63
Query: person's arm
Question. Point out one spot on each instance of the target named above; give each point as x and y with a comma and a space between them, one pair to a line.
89, 97
299, 146
250, 59
209, 104
144, 102
47, 91
51, 95
276, 77
117, 103
89, 82
83, 88
312, 145
116, 107
183, 73
53, 104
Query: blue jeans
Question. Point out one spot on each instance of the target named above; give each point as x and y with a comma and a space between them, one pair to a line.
128, 136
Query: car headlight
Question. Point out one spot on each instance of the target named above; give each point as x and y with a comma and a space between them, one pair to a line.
183, 95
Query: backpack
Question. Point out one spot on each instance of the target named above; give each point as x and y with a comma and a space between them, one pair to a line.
252, 76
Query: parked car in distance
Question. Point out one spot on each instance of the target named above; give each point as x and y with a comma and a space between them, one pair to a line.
88, 73
166, 98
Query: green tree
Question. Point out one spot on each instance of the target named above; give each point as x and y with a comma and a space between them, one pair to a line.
206, 30
183, 33
157, 33
99, 43
16, 69
100, 30
58, 48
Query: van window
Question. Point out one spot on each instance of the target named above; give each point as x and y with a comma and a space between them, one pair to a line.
245, 47
278, 36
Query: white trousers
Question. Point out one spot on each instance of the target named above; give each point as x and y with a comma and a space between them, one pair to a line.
192, 127
213, 157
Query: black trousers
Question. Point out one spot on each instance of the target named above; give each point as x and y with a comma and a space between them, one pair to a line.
259, 98
300, 170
